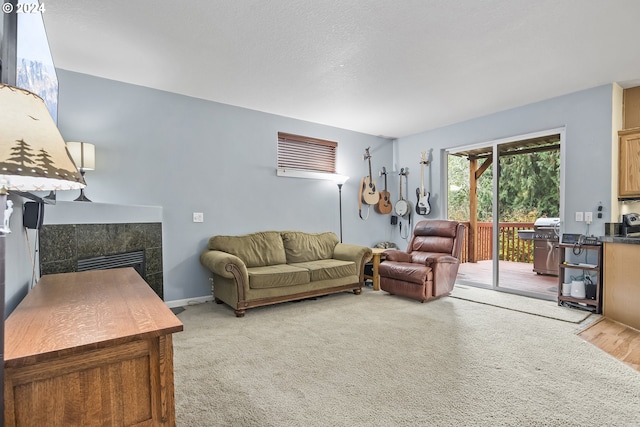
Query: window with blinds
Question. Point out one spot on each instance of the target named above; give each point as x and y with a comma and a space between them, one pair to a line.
306, 154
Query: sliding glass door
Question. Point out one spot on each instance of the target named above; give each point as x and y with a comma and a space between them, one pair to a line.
470, 200
508, 193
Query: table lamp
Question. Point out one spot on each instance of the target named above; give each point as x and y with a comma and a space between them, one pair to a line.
84, 156
33, 157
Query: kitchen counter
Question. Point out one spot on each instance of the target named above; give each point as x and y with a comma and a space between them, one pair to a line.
621, 296
620, 239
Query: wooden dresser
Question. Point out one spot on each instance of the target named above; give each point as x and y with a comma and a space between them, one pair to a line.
90, 349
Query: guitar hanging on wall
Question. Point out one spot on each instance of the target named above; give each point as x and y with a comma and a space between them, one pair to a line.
422, 207
370, 195
403, 207
384, 204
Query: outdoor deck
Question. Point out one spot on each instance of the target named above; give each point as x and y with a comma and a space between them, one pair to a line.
513, 275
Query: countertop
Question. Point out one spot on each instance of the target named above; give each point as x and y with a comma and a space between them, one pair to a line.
620, 239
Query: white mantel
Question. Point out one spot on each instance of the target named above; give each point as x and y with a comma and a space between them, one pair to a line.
99, 213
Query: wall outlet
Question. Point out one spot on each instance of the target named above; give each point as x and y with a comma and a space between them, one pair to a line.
579, 216
198, 217
588, 217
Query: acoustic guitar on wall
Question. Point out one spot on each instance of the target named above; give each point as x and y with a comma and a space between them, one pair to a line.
384, 204
370, 195
422, 207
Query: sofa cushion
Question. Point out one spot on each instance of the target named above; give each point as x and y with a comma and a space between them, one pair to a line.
277, 276
256, 249
303, 247
327, 269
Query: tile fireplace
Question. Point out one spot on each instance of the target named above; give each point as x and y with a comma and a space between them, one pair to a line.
70, 242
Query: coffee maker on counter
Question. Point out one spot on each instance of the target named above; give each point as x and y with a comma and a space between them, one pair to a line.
630, 225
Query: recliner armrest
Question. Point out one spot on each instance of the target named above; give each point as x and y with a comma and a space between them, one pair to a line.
430, 258
445, 259
445, 270
397, 255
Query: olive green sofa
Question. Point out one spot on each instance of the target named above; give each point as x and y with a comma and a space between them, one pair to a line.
275, 266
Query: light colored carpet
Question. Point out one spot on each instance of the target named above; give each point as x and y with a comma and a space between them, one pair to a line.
381, 360
519, 303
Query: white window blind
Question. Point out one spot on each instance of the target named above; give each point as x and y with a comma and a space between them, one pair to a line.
304, 153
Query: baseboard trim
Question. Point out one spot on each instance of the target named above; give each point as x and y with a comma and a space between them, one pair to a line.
188, 301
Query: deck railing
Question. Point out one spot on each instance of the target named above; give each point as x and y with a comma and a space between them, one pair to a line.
512, 248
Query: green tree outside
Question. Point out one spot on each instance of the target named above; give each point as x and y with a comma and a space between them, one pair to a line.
529, 188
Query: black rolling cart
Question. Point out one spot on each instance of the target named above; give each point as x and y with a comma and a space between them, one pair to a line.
571, 266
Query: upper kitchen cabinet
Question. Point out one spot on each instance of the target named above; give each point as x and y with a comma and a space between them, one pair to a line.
631, 108
629, 166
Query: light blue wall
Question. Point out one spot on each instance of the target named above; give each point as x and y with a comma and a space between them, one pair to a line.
19, 254
587, 118
189, 155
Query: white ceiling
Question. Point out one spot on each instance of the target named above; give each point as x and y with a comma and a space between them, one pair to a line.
382, 67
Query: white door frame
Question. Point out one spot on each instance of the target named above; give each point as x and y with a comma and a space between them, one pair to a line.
495, 235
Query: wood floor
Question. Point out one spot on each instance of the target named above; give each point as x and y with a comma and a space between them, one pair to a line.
620, 341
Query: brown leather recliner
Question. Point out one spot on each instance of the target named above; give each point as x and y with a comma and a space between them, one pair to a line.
429, 267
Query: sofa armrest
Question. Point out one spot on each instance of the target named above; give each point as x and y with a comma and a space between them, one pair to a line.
397, 255
356, 253
223, 264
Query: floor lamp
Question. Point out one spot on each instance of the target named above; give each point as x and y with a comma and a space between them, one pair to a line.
33, 157
341, 180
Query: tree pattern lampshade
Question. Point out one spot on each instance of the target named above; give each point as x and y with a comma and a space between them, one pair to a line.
33, 155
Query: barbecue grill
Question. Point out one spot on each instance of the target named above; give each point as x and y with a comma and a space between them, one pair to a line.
545, 246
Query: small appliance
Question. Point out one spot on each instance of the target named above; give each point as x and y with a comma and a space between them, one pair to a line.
631, 225
578, 289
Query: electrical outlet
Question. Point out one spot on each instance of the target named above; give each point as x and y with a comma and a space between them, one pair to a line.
579, 216
198, 217
588, 217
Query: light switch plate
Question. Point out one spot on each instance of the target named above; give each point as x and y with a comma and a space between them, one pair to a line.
588, 217
198, 217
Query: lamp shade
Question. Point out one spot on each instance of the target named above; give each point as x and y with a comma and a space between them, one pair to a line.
33, 155
83, 154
